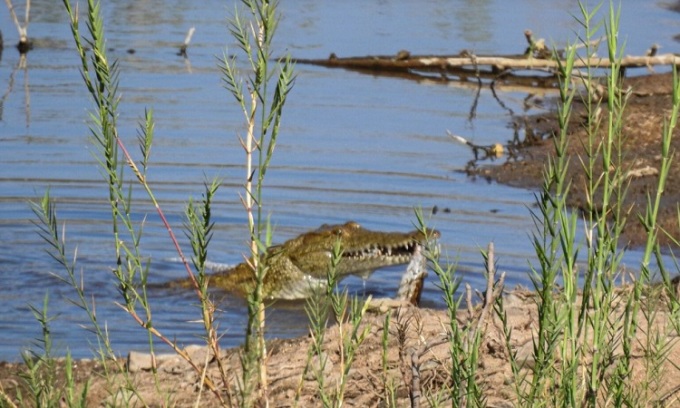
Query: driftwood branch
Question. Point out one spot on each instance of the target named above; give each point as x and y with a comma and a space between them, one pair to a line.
24, 44
494, 150
183, 49
496, 63
466, 66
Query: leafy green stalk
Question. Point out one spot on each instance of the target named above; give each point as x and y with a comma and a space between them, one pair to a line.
262, 110
463, 342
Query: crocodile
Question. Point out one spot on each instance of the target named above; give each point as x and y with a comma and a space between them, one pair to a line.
298, 267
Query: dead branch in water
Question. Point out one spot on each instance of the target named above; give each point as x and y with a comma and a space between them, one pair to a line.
24, 44
468, 66
494, 150
183, 49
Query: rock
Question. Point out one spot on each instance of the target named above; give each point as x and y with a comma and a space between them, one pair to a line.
199, 353
172, 363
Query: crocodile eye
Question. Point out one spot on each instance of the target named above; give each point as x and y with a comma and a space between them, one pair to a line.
352, 225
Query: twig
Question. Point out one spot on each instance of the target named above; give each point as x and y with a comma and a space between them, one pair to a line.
416, 363
468, 300
181, 352
594, 44
473, 109
415, 379
24, 45
28, 12
493, 290
5, 399
494, 150
183, 49
203, 376
21, 30
492, 86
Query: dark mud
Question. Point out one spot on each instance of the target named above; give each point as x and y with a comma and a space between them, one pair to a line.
648, 107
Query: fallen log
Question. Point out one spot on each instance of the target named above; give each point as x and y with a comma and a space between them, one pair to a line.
404, 62
467, 66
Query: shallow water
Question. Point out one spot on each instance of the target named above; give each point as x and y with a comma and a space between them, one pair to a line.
352, 146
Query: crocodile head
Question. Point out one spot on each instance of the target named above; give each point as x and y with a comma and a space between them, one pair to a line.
363, 250
299, 266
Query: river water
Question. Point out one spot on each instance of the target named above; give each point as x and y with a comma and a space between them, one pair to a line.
352, 146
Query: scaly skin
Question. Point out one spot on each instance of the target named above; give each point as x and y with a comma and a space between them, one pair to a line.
299, 266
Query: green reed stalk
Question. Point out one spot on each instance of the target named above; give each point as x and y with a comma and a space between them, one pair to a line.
318, 308
49, 231
352, 312
657, 342
649, 218
553, 243
464, 341
262, 109
347, 312
607, 220
592, 125
41, 374
567, 314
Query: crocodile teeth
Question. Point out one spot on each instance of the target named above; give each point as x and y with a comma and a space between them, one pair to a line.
401, 252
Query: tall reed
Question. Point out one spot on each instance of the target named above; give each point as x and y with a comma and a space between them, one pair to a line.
262, 109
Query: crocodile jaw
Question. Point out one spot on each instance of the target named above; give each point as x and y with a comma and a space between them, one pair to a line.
300, 266
363, 250
363, 262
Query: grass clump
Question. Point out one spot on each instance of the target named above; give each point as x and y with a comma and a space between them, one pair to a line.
348, 312
131, 269
49, 381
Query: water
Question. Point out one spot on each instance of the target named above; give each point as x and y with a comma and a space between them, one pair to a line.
352, 146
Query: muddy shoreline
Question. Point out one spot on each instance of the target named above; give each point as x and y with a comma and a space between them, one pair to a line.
648, 106
417, 355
